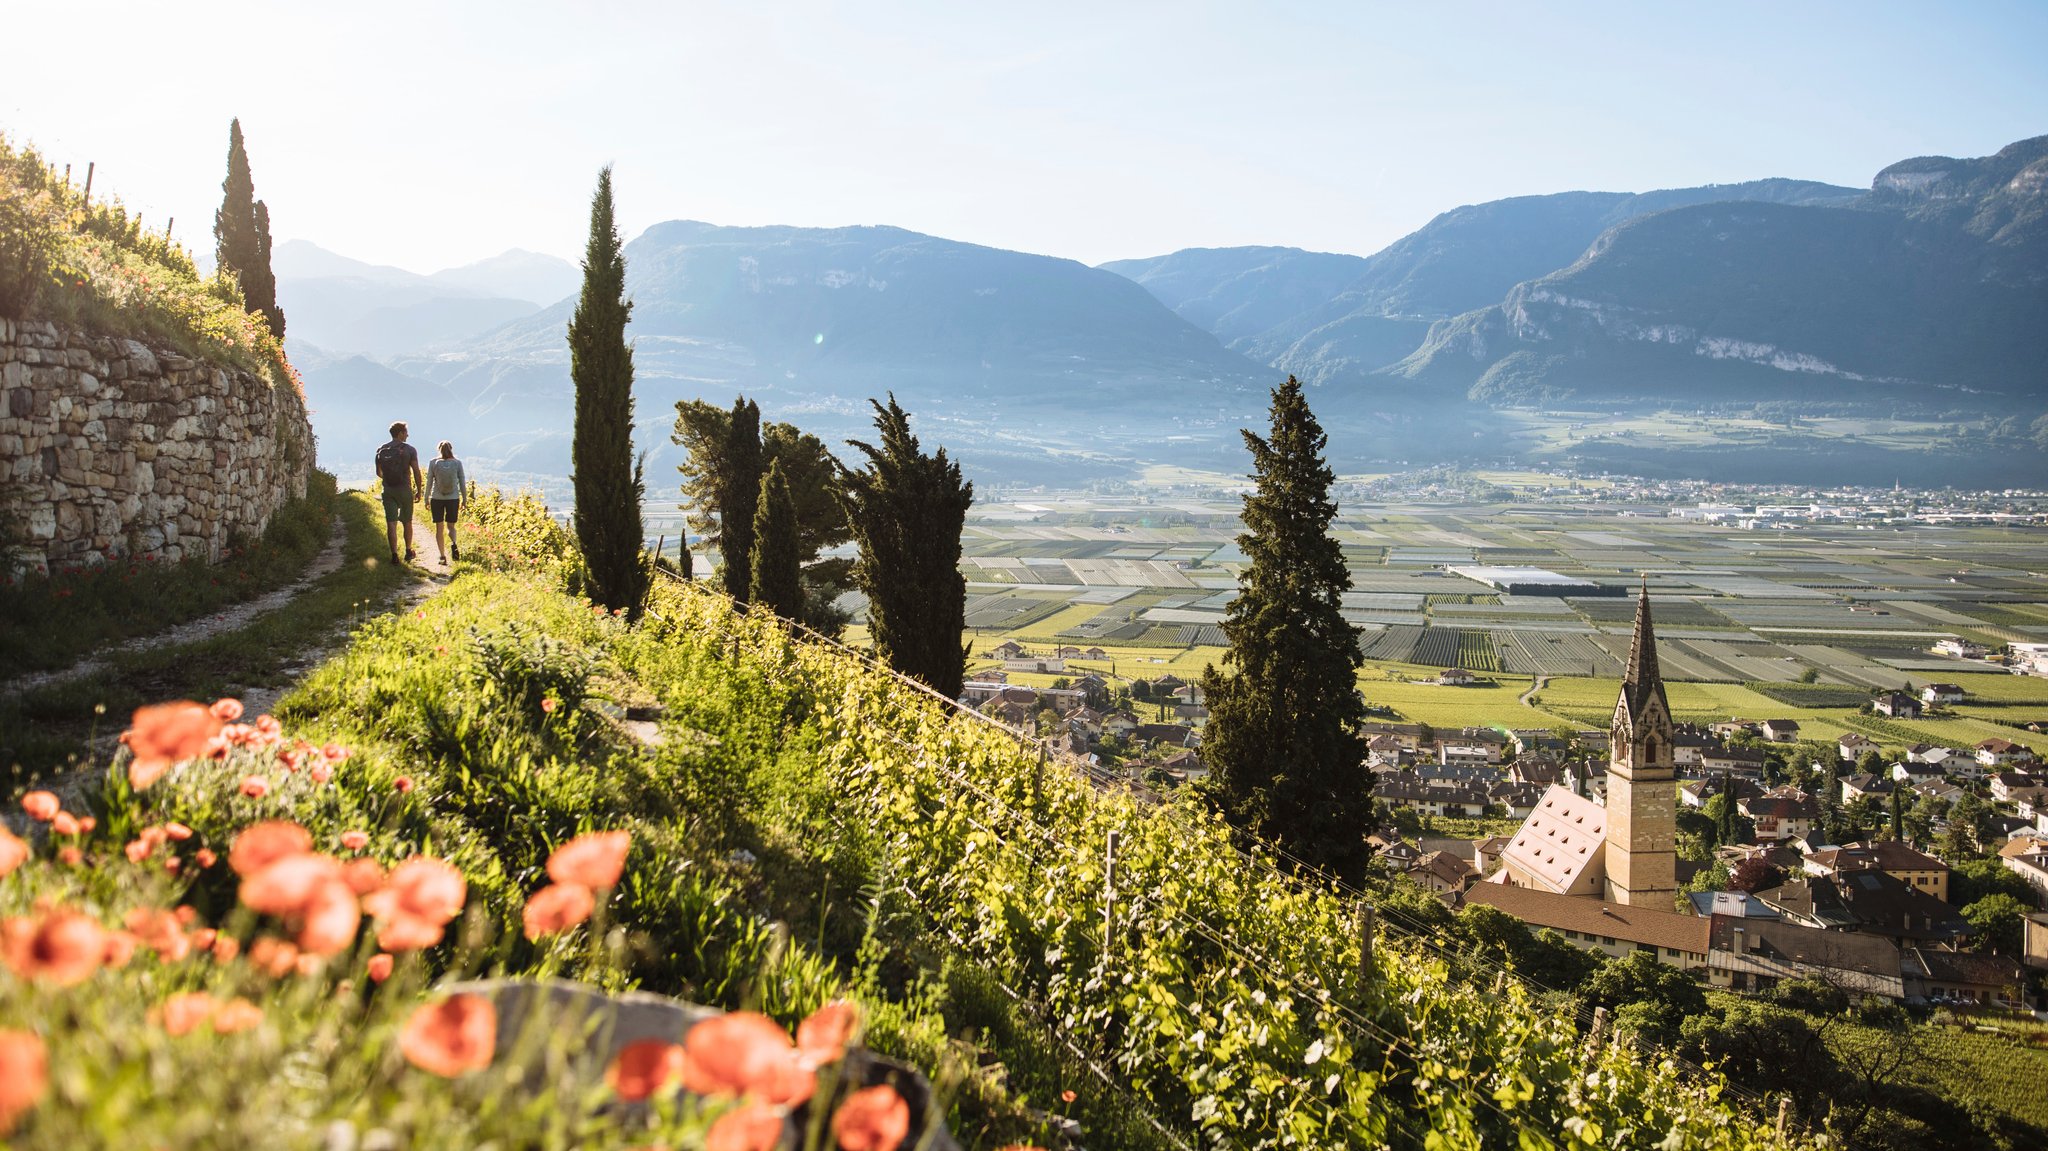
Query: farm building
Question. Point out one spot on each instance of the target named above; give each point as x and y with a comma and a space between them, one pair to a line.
1535, 581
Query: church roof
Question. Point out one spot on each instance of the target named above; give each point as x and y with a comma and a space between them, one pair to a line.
1564, 835
1643, 680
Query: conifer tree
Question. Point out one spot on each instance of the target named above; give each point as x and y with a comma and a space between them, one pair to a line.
778, 561
1284, 743
738, 494
608, 479
907, 510
241, 234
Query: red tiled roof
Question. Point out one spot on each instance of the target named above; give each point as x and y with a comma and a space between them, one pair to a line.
1600, 917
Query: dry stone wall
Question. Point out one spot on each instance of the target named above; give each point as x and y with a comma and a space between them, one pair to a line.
112, 448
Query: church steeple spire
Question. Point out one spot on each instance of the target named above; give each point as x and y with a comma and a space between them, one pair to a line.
1643, 679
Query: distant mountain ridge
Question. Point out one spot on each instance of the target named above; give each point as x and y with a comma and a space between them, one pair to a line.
342, 305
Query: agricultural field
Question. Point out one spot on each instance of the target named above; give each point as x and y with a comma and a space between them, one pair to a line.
1803, 620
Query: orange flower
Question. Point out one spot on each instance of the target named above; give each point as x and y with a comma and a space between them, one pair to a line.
166, 733
262, 844
548, 706
420, 897
333, 752
320, 773
751, 1127
284, 887
70, 856
203, 938
329, 918
64, 823
184, 1011
24, 1076
644, 1068
236, 1015
745, 1053
273, 956
402, 784
205, 857
872, 1119
227, 710
1068, 1096
159, 931
255, 786
593, 860
64, 947
121, 947
177, 831
822, 1038
355, 840
455, 1036
41, 806
557, 907
380, 967
226, 947
13, 851
363, 875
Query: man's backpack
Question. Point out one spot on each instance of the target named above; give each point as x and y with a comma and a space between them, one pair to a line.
392, 467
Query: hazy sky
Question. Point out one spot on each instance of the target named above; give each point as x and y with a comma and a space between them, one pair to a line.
426, 134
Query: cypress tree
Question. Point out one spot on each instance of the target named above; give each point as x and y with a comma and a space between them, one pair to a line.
739, 491
778, 562
608, 480
1284, 743
907, 510
241, 234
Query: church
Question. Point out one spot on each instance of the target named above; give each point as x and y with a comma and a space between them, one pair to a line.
1624, 852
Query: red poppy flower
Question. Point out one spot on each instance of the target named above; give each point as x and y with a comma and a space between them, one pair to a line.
273, 956
402, 784
14, 851
1068, 1096
379, 967
417, 900
236, 1015
644, 1068
750, 1127
159, 931
255, 786
262, 844
121, 947
320, 772
355, 840
548, 706
557, 907
822, 1038
166, 733
184, 1011
227, 710
205, 857
70, 856
42, 806
452, 1037
594, 860
63, 947
284, 887
24, 1076
745, 1053
328, 919
363, 875
872, 1119
177, 831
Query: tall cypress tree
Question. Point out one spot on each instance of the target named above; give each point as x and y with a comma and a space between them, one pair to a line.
241, 234
608, 480
907, 510
778, 557
1284, 742
739, 493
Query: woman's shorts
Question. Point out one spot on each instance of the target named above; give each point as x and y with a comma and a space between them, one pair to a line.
444, 510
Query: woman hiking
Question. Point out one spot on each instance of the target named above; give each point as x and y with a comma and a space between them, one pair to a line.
445, 488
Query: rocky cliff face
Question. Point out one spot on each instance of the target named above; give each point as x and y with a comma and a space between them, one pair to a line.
113, 449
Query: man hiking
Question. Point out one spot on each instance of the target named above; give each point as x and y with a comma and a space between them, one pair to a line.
446, 486
398, 466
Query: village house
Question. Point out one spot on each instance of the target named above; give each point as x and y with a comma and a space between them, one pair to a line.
1119, 724
1456, 677
1397, 853
1941, 976
2027, 857
1781, 813
1529, 768
1920, 870
1039, 665
1517, 800
1781, 730
1383, 750
1612, 929
1943, 694
1696, 792
1754, 953
2007, 785
1997, 753
1442, 873
1740, 762
1868, 901
1437, 800
1537, 741
1730, 728
1896, 704
1094, 653
1855, 787
1851, 747
1008, 649
1960, 649
1940, 789
1454, 750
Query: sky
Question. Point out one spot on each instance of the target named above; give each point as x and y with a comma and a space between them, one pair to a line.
433, 133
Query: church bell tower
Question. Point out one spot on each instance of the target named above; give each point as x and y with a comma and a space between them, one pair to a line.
1642, 865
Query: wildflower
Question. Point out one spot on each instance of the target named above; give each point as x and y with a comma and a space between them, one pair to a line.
284, 887
225, 948
70, 856
593, 860
262, 844
402, 784
872, 1119
255, 786
204, 857
138, 850
752, 1127
227, 710
745, 1053
334, 752
177, 831
327, 921
64, 947
42, 806
86, 823
440, 649
174, 865
64, 823
166, 733
557, 907
420, 897
320, 772
203, 939
13, 851
355, 840
379, 967
1068, 1096
548, 705
120, 948
822, 1038
644, 1068
184, 1011
24, 1076
159, 931
273, 956
455, 1036
236, 1014
268, 727
362, 875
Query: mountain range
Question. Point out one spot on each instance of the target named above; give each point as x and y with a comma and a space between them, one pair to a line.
1924, 293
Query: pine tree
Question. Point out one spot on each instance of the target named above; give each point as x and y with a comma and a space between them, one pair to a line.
907, 510
738, 494
241, 234
1284, 741
609, 482
778, 564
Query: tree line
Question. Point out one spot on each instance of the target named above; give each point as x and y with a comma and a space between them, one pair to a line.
1284, 743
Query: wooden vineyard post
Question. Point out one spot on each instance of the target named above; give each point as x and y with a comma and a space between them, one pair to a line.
1784, 1114
1109, 892
1366, 917
1599, 1030
1038, 783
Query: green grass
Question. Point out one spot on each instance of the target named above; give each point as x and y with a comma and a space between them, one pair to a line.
53, 620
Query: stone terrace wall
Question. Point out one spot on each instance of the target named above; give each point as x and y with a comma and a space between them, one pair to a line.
110, 448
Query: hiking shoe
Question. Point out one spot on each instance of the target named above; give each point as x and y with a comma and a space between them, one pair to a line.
456, 551
408, 555
444, 560
394, 557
